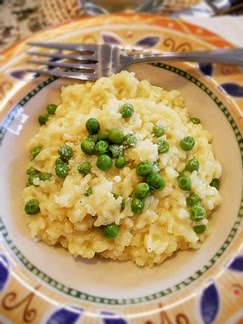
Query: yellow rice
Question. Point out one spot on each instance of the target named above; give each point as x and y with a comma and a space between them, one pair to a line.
69, 218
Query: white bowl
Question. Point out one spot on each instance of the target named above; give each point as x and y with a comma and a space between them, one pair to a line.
113, 282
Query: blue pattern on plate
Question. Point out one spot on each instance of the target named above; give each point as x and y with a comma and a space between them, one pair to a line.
112, 318
237, 264
143, 43
65, 315
111, 38
23, 75
147, 42
209, 304
4, 271
206, 68
27, 76
233, 89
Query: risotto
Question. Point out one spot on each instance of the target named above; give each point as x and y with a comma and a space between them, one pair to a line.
119, 169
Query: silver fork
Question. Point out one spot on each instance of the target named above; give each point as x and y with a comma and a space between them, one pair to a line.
94, 61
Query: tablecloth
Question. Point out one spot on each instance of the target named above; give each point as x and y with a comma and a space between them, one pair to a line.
231, 28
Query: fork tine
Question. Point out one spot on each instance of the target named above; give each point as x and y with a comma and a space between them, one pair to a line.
69, 75
64, 46
65, 65
64, 56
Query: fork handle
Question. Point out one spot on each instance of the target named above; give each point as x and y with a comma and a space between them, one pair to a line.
227, 56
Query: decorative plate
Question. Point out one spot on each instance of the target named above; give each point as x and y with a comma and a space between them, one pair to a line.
41, 285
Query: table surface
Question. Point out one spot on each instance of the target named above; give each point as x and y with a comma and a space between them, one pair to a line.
231, 28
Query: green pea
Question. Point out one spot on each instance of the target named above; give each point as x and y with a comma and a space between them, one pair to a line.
187, 143
88, 192
32, 170
92, 125
144, 168
101, 147
127, 110
215, 183
84, 168
58, 161
35, 151
102, 136
193, 199
110, 231
32, 207
197, 213
120, 162
115, 136
130, 140
92, 137
137, 205
62, 170
51, 109
65, 152
42, 119
45, 176
104, 162
195, 120
163, 146
184, 173
192, 165
158, 131
32, 177
142, 190
36, 174
156, 182
32, 174
116, 150
184, 182
88, 147
199, 229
